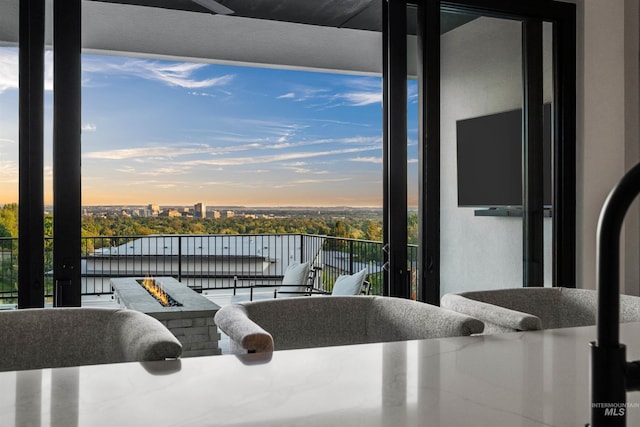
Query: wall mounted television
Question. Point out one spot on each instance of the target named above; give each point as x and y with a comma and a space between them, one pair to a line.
489, 155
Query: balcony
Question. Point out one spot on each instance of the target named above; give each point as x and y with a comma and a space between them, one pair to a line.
207, 263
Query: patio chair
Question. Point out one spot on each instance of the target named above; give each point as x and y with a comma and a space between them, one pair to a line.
297, 280
345, 284
290, 323
523, 309
49, 338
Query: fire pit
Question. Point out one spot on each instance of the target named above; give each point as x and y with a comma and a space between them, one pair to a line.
187, 314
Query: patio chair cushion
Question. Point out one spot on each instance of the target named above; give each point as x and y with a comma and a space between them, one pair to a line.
296, 278
280, 324
349, 284
57, 337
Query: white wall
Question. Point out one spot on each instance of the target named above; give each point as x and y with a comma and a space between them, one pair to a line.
481, 74
607, 109
608, 120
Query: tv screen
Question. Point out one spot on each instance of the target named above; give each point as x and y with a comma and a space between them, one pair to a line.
490, 159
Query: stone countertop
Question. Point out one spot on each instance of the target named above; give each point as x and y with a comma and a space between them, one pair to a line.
538, 378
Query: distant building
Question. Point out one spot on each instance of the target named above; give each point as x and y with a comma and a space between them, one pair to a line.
230, 214
154, 209
215, 214
200, 210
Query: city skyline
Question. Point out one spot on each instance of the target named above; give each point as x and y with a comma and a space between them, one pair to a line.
175, 133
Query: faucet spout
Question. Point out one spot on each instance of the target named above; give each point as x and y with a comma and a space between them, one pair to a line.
611, 375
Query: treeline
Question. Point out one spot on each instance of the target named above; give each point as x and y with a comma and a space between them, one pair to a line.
368, 229
95, 226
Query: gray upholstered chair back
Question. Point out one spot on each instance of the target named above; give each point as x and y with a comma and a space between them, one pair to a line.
504, 310
338, 320
47, 338
305, 322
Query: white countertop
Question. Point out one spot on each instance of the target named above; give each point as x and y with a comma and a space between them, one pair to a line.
517, 379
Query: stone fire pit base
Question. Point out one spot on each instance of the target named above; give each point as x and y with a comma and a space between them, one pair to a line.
192, 323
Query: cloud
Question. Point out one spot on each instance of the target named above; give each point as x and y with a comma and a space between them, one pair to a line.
48, 70
156, 183
310, 172
360, 99
201, 94
9, 171
10, 65
367, 159
170, 150
412, 92
363, 83
7, 141
244, 161
164, 171
289, 95
270, 127
88, 127
179, 74
320, 181
340, 122
303, 93
148, 152
9, 75
126, 169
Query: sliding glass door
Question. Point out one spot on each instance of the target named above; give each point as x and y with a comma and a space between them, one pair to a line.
481, 222
496, 144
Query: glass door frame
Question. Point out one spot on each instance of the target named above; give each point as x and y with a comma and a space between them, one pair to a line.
532, 14
66, 154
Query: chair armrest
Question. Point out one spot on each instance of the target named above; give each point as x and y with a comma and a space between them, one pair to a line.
245, 333
366, 287
401, 319
141, 337
489, 313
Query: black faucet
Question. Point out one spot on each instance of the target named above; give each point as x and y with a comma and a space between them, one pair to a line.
611, 375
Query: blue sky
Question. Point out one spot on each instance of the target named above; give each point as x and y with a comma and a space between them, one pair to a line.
179, 133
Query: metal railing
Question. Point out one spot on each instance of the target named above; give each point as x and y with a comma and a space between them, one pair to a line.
206, 262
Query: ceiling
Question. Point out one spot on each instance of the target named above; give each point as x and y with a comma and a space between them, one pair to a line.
322, 35
353, 14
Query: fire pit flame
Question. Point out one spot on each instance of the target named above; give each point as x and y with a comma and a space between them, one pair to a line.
158, 292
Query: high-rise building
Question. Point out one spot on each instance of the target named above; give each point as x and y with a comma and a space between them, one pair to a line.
200, 210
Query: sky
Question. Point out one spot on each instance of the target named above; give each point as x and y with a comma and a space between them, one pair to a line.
175, 133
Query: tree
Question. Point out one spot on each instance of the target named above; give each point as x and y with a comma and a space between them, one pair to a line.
340, 229
412, 228
9, 218
4, 232
373, 231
